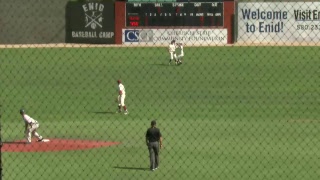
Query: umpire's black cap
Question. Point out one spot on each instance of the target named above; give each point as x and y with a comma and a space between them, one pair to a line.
153, 122
21, 111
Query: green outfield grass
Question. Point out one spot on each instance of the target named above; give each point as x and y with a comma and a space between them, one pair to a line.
227, 113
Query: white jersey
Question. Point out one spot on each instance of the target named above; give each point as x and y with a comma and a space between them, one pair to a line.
181, 52
122, 89
172, 48
29, 119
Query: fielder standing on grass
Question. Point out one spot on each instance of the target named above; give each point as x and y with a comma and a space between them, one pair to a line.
121, 98
180, 56
153, 141
172, 51
31, 127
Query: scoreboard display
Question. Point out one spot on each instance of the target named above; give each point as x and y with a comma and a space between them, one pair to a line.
174, 14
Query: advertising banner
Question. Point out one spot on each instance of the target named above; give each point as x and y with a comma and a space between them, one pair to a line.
280, 22
91, 22
197, 37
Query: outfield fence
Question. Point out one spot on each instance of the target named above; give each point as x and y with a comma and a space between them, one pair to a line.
239, 107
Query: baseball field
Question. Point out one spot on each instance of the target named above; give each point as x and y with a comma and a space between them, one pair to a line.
226, 113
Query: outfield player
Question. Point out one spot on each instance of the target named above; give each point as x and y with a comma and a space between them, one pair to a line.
172, 51
181, 55
31, 127
121, 97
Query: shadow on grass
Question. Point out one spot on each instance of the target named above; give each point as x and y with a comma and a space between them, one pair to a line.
132, 168
104, 112
161, 64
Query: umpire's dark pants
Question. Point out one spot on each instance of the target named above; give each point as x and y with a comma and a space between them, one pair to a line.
154, 154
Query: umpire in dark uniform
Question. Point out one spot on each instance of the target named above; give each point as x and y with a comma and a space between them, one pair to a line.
154, 140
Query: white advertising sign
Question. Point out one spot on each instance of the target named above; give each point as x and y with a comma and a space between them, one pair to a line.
190, 37
281, 22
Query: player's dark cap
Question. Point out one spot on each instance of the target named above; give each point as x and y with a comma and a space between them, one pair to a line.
153, 122
173, 41
22, 111
119, 81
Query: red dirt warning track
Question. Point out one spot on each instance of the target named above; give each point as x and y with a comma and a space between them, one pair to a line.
54, 145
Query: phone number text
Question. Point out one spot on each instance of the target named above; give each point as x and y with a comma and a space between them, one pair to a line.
308, 27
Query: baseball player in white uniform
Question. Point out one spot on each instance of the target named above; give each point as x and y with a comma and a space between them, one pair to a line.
180, 56
31, 127
121, 97
172, 51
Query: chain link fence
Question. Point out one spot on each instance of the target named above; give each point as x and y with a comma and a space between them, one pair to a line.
241, 110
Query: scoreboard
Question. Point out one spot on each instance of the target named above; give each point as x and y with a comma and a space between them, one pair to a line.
174, 14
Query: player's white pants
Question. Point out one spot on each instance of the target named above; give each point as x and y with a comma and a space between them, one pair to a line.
121, 99
180, 55
173, 55
32, 131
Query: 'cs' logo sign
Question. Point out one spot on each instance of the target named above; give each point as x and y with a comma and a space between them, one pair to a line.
138, 35
132, 35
